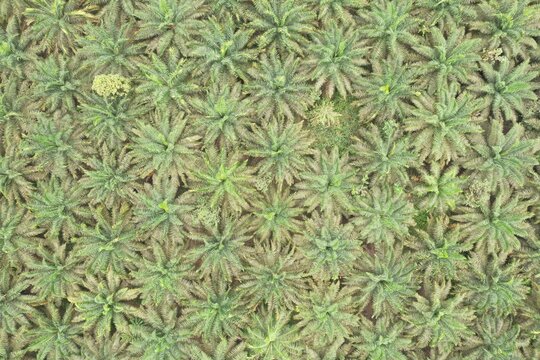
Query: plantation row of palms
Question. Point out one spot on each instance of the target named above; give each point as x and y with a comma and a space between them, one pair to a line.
270, 179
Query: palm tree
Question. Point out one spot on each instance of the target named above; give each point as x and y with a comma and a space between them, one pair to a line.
440, 320
383, 215
53, 25
223, 50
385, 339
331, 248
108, 48
55, 335
385, 280
328, 183
222, 114
220, 251
281, 148
440, 249
494, 285
341, 11
384, 154
278, 88
502, 158
168, 23
161, 274
274, 280
507, 89
105, 305
111, 246
162, 145
166, 83
276, 216
281, 25
215, 311
449, 57
386, 90
336, 61
508, 24
110, 178
158, 213
440, 126
327, 314
389, 27
226, 179
271, 337
498, 223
